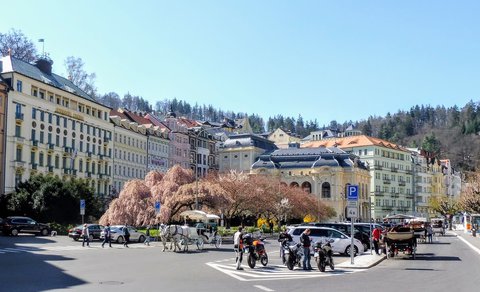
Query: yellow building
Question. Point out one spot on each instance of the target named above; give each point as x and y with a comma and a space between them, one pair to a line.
283, 138
390, 165
323, 172
53, 127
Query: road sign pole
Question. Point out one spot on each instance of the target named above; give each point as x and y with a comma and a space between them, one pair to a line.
352, 212
352, 249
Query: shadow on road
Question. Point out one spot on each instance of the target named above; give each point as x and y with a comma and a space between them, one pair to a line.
12, 241
33, 272
433, 257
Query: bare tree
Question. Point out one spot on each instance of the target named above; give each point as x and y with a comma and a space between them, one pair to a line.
19, 45
79, 77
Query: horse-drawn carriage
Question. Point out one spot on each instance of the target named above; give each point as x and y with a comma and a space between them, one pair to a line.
199, 228
400, 239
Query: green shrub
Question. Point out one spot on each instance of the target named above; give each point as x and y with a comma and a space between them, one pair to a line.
61, 229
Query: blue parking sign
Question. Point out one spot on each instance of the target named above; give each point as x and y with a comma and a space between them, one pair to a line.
82, 204
352, 193
157, 207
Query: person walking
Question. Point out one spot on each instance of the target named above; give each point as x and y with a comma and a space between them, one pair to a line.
238, 247
376, 238
126, 235
147, 236
85, 235
430, 233
306, 242
107, 234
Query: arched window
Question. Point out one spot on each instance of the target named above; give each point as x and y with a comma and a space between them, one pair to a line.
326, 190
294, 185
307, 187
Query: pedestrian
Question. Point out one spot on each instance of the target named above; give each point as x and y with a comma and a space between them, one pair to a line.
126, 235
85, 235
271, 227
238, 247
306, 242
147, 236
430, 233
376, 238
107, 234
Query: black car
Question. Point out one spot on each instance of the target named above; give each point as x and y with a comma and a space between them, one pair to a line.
346, 228
16, 224
94, 231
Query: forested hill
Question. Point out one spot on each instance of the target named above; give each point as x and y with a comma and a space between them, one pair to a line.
447, 132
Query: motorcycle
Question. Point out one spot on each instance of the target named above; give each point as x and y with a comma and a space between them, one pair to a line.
294, 254
256, 251
323, 255
285, 239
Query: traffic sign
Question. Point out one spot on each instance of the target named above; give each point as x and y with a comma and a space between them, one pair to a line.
352, 212
157, 207
352, 204
82, 207
352, 193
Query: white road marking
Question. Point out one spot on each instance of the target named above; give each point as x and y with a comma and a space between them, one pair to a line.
469, 244
263, 288
273, 272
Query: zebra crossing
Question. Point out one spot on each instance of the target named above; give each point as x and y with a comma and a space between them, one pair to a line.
271, 272
24, 248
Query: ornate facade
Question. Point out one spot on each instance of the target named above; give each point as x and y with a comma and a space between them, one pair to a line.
323, 172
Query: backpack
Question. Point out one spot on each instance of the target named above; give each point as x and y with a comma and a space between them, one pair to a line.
126, 231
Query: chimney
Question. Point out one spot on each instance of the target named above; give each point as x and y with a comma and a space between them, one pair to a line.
45, 65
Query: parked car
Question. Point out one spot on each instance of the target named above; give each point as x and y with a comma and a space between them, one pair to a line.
341, 242
16, 224
117, 234
360, 233
94, 231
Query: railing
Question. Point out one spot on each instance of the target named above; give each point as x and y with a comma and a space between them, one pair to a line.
19, 116
50, 168
386, 181
394, 169
35, 166
401, 183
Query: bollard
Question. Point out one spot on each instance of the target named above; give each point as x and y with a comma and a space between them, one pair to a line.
474, 232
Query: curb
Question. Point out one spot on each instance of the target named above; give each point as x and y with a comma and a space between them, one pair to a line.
381, 259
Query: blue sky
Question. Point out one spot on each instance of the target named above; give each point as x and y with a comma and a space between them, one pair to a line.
326, 60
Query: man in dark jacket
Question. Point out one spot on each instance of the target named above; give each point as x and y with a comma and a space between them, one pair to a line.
107, 234
306, 242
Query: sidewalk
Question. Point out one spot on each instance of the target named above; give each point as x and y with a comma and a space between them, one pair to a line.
363, 261
467, 238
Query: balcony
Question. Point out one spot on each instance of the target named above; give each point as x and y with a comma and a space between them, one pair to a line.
66, 171
34, 166
101, 156
89, 156
74, 172
18, 164
401, 183
51, 147
386, 181
34, 145
106, 140
50, 169
89, 174
19, 118
378, 167
394, 169
67, 151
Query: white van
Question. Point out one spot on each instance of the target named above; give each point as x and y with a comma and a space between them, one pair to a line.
341, 242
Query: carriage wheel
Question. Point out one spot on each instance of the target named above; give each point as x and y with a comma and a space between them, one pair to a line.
218, 241
199, 243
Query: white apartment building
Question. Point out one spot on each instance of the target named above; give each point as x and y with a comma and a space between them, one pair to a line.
53, 127
130, 150
158, 149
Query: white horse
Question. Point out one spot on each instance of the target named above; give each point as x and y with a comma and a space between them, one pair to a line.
174, 233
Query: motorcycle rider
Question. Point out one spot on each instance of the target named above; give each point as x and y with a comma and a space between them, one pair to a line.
306, 241
238, 247
284, 238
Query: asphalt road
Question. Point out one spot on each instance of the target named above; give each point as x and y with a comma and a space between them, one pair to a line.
29, 263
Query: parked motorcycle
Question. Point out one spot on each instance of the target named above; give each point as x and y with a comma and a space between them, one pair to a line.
285, 240
294, 254
323, 255
256, 250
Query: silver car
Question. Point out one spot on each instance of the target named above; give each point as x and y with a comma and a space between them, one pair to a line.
117, 234
341, 242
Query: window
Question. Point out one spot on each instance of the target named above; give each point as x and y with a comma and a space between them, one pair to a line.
80, 165
40, 159
42, 94
42, 116
18, 131
32, 158
57, 140
33, 134
41, 137
57, 161
50, 118
18, 156
34, 91
34, 113
19, 86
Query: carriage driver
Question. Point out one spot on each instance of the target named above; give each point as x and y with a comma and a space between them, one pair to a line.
238, 247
